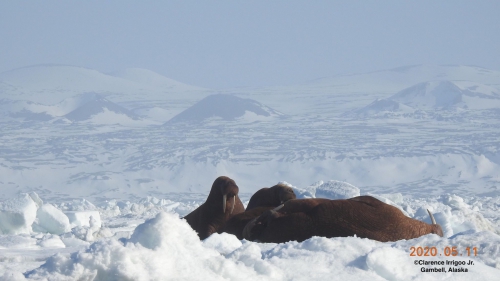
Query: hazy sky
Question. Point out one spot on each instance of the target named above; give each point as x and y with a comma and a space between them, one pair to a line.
220, 44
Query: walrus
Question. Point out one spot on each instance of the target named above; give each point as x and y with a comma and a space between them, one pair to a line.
222, 203
363, 216
263, 200
271, 196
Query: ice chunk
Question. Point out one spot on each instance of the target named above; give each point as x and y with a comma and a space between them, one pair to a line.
301, 193
52, 220
34, 196
83, 218
336, 190
51, 241
17, 214
78, 205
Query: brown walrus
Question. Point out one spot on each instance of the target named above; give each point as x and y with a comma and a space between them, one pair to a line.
363, 216
263, 200
222, 203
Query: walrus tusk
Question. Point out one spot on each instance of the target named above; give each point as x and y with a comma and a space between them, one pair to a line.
432, 217
224, 198
247, 229
279, 207
234, 203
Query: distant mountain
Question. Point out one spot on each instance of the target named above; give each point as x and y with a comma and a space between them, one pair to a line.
431, 95
50, 84
153, 79
34, 111
80, 108
397, 79
435, 96
96, 106
225, 107
380, 106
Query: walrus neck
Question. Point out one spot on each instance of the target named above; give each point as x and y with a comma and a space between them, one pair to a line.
418, 229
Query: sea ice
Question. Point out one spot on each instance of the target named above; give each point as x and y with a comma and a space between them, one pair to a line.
17, 214
51, 220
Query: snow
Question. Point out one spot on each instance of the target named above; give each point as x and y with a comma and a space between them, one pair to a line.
434, 96
166, 248
162, 246
225, 108
63, 81
101, 197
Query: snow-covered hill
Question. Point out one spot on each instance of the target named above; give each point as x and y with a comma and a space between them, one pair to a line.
338, 94
54, 83
435, 96
397, 79
87, 107
95, 106
227, 108
144, 92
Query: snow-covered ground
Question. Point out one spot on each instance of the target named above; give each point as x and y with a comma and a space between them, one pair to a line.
95, 173
147, 240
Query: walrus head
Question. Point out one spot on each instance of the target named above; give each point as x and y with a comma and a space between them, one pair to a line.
285, 193
224, 189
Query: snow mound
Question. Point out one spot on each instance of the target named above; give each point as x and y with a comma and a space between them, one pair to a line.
225, 107
223, 243
163, 248
155, 232
391, 264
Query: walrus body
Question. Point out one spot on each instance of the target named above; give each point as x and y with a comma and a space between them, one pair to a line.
363, 216
263, 200
237, 223
271, 196
222, 203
